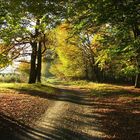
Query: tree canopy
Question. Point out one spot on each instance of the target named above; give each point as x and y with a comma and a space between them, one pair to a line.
96, 40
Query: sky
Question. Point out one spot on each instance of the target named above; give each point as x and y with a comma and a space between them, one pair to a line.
11, 68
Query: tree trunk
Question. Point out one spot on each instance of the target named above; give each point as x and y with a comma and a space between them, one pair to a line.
136, 31
39, 62
85, 65
32, 76
137, 81
33, 68
98, 73
95, 70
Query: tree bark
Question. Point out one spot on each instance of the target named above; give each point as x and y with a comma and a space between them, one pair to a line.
95, 70
39, 62
33, 68
137, 81
32, 76
85, 63
136, 31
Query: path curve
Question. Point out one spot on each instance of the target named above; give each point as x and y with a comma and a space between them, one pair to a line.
69, 118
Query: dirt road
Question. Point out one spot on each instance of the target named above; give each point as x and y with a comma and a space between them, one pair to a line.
78, 114
68, 117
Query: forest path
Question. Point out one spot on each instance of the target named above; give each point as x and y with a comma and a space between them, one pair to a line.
69, 117
76, 113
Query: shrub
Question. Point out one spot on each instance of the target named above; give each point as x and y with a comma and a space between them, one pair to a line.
10, 78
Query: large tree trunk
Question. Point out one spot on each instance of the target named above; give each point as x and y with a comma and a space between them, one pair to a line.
39, 63
32, 76
99, 73
96, 73
95, 69
33, 68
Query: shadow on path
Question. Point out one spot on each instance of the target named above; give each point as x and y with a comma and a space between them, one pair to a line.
13, 130
117, 121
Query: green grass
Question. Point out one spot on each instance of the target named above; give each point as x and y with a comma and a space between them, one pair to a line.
51, 86
98, 89
26, 87
56, 81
